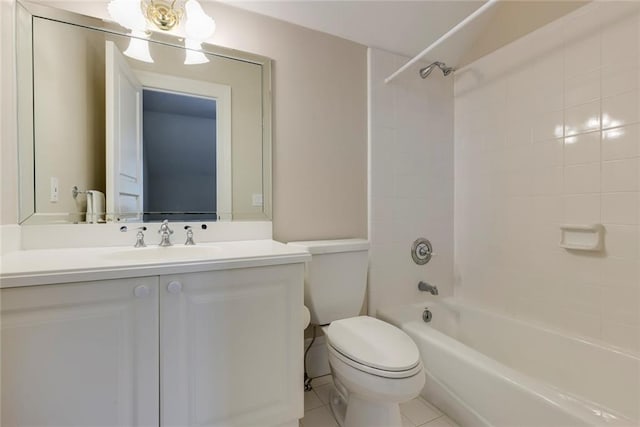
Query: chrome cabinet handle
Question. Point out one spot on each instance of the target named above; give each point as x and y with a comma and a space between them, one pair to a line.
174, 287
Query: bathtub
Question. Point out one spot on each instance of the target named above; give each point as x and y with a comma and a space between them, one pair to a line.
487, 369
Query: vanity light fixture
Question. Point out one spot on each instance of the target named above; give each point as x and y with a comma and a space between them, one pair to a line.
187, 18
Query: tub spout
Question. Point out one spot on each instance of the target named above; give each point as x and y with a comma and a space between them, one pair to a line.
425, 287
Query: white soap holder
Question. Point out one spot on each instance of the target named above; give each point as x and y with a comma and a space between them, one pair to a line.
582, 237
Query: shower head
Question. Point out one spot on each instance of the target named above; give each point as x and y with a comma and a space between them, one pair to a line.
424, 72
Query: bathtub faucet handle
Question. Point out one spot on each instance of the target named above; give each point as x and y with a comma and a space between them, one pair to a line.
425, 287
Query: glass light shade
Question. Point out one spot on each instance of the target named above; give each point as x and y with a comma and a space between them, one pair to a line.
128, 14
138, 47
193, 56
198, 25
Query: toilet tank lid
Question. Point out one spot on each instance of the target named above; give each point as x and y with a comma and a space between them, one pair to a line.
333, 246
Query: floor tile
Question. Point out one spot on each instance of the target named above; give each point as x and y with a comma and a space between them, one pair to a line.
323, 392
433, 408
418, 411
319, 417
406, 422
311, 401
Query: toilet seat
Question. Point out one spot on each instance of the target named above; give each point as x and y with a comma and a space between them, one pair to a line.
374, 371
373, 346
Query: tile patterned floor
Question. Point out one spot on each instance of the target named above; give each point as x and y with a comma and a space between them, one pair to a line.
415, 413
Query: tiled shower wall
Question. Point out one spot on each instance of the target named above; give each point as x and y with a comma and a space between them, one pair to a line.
547, 132
410, 180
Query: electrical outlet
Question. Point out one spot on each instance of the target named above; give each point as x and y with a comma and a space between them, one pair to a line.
53, 195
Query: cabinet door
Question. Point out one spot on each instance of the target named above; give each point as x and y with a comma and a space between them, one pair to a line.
231, 347
82, 354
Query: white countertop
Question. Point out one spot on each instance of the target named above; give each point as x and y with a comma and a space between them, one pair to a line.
49, 266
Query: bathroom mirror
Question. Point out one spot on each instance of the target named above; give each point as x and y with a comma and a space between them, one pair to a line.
118, 128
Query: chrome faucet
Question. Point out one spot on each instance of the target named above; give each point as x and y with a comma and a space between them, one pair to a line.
165, 233
189, 241
425, 287
139, 235
140, 238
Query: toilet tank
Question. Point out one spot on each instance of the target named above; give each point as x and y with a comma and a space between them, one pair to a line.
335, 279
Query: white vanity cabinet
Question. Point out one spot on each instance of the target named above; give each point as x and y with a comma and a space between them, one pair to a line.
208, 348
81, 354
230, 347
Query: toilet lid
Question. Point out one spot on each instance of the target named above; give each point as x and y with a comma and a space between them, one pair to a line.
373, 343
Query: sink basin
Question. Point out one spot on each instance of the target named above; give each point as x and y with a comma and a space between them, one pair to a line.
171, 253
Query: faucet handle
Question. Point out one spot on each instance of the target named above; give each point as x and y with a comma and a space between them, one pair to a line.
140, 237
189, 241
164, 227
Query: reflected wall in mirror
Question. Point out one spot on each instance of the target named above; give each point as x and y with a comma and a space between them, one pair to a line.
159, 139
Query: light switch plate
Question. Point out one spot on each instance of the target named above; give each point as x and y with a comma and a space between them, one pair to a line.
53, 195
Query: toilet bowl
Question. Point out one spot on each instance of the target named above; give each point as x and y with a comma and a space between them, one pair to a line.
375, 366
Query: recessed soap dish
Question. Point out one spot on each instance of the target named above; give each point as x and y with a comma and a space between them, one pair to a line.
582, 237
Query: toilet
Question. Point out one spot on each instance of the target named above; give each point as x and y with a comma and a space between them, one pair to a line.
375, 366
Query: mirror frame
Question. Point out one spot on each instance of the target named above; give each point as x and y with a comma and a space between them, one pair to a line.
25, 13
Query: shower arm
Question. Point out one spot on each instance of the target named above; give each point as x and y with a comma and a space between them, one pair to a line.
478, 12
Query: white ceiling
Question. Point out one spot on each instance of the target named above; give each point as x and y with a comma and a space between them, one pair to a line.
408, 27
405, 27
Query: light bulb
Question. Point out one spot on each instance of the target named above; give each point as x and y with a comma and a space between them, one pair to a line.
139, 47
128, 14
193, 56
198, 26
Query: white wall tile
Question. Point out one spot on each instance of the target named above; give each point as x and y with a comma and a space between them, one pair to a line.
571, 155
547, 125
411, 179
581, 54
621, 143
617, 79
582, 178
582, 209
617, 272
582, 88
621, 304
620, 110
621, 41
620, 175
623, 241
547, 181
624, 336
548, 153
582, 118
620, 208
584, 148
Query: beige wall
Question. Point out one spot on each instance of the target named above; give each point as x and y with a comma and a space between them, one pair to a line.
511, 20
8, 147
319, 123
69, 114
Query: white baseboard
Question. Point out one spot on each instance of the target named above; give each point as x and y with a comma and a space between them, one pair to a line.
317, 358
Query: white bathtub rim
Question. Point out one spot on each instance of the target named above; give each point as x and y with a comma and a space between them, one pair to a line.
576, 406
